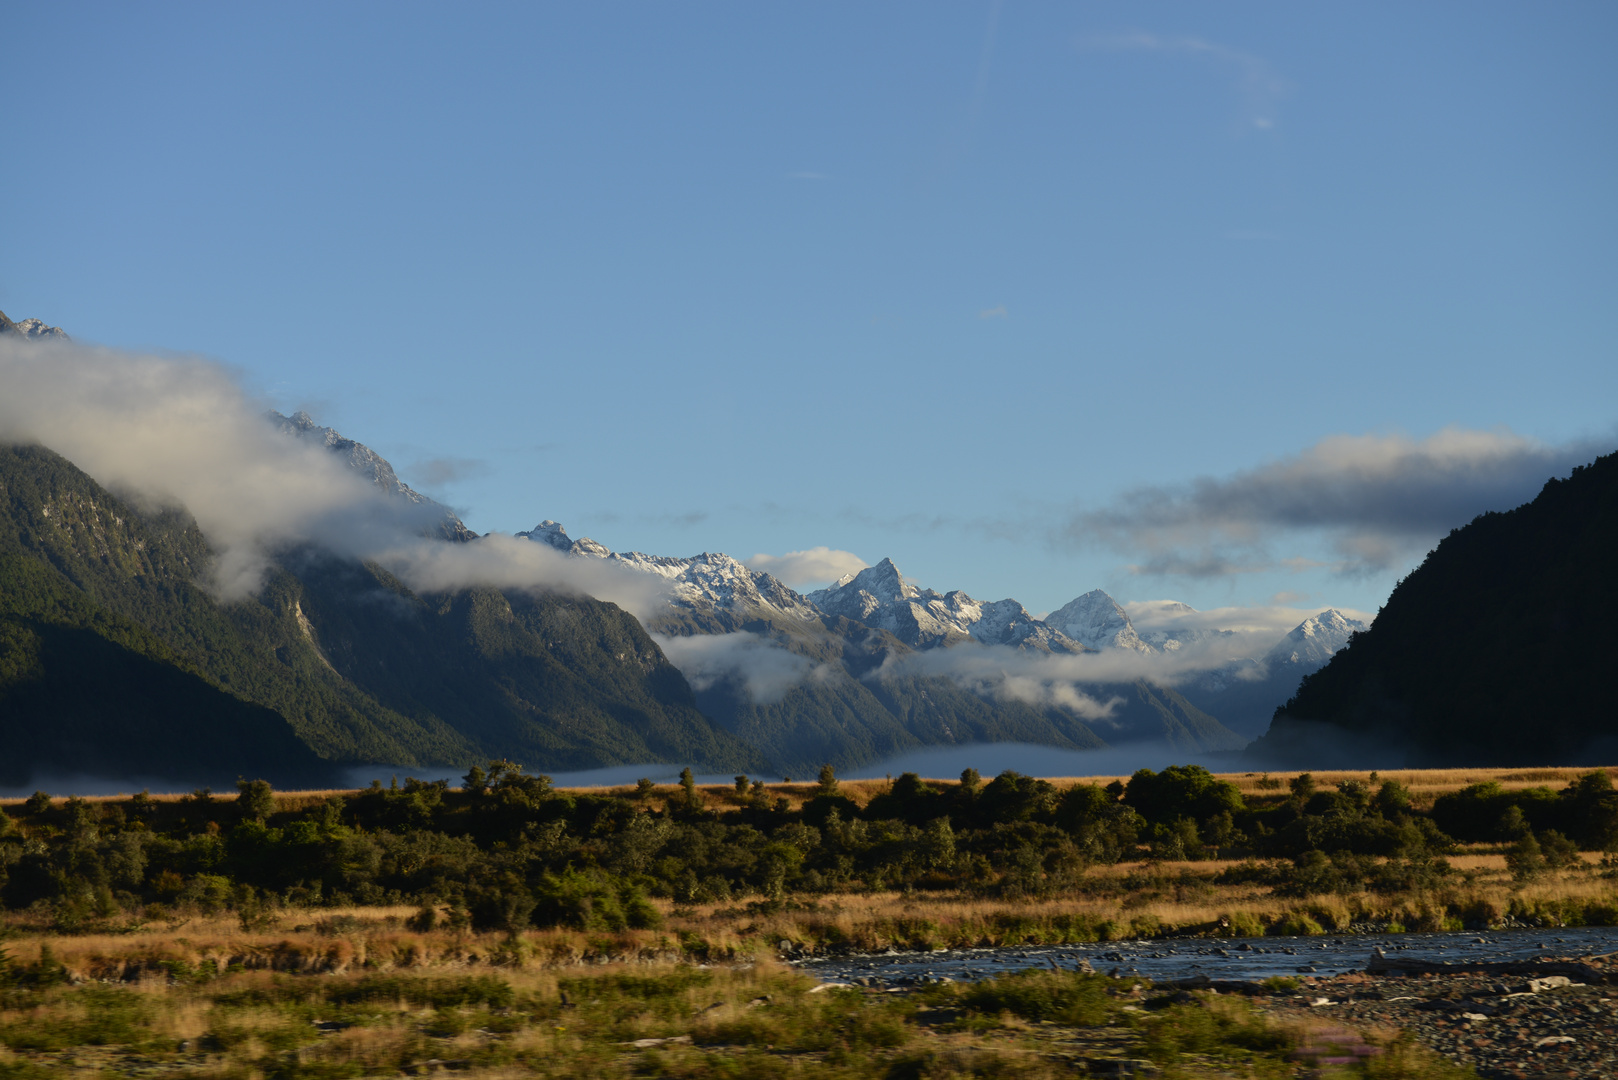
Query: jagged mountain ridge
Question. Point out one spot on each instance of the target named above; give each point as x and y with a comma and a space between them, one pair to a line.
362, 459
32, 330
1315, 640
859, 632
377, 703
881, 597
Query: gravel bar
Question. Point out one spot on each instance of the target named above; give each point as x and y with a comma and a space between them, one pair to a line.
1533, 1024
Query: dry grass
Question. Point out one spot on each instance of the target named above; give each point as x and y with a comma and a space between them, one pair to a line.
758, 1020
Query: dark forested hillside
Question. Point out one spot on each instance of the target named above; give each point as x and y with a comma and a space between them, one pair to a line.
112, 652
1498, 649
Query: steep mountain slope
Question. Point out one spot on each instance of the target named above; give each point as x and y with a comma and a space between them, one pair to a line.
1496, 650
83, 691
146, 571
362, 459
357, 668
555, 681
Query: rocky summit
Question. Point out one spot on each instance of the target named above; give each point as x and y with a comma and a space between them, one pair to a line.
1096, 621
31, 330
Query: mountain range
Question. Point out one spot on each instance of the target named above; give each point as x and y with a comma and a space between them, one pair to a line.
115, 658
839, 628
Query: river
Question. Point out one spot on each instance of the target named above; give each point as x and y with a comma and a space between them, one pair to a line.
1222, 958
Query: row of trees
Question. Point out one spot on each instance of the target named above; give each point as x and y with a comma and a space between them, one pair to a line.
507, 849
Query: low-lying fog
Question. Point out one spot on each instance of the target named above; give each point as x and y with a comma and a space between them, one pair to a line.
934, 762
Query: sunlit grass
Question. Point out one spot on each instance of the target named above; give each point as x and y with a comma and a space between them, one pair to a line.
754, 1020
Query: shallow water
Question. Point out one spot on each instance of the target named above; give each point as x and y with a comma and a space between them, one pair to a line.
1224, 958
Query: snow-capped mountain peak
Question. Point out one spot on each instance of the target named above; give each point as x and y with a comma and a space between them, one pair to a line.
707, 582
32, 330
1096, 621
1314, 640
879, 596
549, 532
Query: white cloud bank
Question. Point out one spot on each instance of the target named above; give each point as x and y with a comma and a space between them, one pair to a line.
764, 670
169, 431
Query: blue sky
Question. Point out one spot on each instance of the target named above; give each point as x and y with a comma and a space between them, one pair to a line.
1033, 298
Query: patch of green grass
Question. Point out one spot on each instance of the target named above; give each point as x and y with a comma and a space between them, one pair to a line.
437, 993
1062, 997
84, 1016
1235, 1030
1297, 924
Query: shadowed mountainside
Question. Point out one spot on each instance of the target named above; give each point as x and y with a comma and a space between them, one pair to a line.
1498, 649
110, 641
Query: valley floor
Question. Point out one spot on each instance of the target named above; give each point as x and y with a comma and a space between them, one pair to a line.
269, 989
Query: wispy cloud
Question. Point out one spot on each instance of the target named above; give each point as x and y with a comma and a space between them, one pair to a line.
438, 471
996, 312
815, 566
1083, 684
1260, 86
1373, 499
182, 432
763, 670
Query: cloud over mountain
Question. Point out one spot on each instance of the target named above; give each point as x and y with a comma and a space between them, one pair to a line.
1373, 499
184, 432
815, 566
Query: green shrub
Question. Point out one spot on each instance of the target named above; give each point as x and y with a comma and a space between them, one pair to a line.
1242, 924
1236, 1030
1296, 924
439, 992
1062, 997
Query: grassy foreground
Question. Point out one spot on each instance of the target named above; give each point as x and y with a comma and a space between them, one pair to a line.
656, 1020
150, 936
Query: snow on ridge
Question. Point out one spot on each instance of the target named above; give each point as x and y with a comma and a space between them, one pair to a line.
882, 598
708, 580
1316, 639
1096, 621
32, 329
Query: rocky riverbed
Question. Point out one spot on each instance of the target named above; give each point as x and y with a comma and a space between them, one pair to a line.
1502, 1025
1509, 1008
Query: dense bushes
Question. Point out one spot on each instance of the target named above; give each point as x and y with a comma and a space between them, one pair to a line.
508, 851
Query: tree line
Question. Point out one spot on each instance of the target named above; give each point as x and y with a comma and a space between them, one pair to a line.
507, 850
